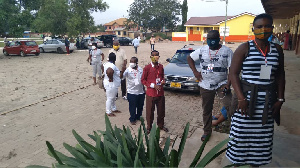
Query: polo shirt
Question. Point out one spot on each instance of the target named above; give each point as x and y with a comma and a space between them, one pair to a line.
120, 57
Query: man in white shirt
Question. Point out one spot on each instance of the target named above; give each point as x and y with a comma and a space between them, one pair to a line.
135, 90
111, 83
215, 60
136, 43
121, 61
96, 57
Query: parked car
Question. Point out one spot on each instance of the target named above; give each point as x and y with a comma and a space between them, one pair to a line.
125, 41
56, 45
85, 42
178, 75
22, 48
108, 40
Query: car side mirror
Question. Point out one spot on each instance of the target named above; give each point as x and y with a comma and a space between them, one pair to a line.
168, 60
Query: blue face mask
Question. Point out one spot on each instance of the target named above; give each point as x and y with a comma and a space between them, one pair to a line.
213, 42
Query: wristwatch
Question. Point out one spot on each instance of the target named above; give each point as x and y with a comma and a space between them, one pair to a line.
281, 100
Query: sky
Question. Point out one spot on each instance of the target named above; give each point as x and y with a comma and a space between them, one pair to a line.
196, 8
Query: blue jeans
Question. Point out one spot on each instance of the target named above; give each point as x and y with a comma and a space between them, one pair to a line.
136, 104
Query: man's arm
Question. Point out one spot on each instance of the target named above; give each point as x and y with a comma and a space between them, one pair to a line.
191, 63
110, 74
102, 57
144, 78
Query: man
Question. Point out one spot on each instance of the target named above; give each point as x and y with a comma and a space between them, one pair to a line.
111, 83
152, 42
215, 60
135, 90
96, 58
121, 61
67, 44
136, 43
153, 79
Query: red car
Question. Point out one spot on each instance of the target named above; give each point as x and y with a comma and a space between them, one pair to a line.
22, 48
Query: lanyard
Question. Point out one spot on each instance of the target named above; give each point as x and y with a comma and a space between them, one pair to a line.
135, 72
263, 53
210, 54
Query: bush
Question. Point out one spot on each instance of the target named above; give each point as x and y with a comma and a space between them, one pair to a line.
119, 148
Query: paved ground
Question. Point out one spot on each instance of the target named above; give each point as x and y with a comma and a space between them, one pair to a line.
45, 97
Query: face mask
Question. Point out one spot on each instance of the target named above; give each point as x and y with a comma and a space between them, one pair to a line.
93, 47
263, 33
153, 59
116, 47
213, 42
132, 65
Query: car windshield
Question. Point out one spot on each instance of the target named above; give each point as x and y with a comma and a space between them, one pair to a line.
30, 43
180, 57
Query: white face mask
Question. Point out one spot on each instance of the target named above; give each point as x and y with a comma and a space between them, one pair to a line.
93, 47
132, 65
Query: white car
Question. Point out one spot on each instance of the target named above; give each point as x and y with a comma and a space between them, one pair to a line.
56, 45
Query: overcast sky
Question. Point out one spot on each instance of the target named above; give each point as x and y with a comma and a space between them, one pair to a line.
196, 8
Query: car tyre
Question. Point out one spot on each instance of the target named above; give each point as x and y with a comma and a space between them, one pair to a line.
22, 54
37, 54
42, 50
5, 53
60, 51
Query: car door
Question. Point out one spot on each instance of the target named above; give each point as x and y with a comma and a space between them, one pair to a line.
17, 47
47, 46
9, 47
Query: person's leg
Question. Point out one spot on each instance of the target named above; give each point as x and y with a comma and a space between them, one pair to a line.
140, 106
132, 106
226, 101
149, 111
94, 73
135, 48
161, 111
123, 87
220, 119
68, 50
113, 103
208, 97
109, 98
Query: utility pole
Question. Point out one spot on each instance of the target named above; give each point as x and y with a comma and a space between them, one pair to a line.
224, 41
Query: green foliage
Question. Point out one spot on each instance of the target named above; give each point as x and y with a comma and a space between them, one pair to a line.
184, 10
155, 14
117, 147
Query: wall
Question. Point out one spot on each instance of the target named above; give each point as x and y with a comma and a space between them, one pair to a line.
178, 36
239, 29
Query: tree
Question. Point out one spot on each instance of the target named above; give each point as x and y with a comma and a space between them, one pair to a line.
184, 10
155, 14
101, 28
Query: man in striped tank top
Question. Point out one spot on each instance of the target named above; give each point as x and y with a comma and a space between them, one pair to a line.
260, 94
215, 60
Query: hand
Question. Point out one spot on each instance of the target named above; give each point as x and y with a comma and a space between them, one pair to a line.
198, 75
88, 60
242, 106
157, 87
163, 82
110, 80
276, 108
123, 68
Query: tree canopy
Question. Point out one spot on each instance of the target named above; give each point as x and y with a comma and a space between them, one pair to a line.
155, 14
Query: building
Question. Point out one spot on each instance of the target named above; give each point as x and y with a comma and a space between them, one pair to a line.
239, 28
118, 27
286, 15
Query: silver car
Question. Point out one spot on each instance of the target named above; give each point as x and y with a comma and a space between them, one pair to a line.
178, 74
85, 42
56, 45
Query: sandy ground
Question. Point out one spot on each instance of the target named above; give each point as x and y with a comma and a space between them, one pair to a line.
66, 82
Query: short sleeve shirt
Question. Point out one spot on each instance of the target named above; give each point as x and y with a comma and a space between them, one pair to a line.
96, 56
116, 77
214, 66
134, 84
120, 57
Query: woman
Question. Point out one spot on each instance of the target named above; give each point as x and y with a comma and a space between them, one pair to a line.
96, 57
286, 39
260, 93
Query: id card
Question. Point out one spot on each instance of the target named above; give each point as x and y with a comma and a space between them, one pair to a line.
265, 72
158, 82
210, 68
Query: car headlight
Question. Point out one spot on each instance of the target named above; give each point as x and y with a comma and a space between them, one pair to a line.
166, 77
192, 79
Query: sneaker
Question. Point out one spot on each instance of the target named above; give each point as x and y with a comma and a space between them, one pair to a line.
124, 97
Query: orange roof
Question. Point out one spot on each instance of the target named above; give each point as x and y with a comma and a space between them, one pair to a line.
119, 21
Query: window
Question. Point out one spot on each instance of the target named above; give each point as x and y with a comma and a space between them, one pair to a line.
119, 32
30, 43
49, 42
191, 28
198, 28
124, 32
207, 29
109, 27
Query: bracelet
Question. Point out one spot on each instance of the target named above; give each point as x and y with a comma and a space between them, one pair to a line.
242, 100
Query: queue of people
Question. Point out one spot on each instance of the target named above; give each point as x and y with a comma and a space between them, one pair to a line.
255, 71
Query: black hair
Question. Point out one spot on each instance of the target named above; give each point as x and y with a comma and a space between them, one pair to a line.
137, 60
214, 32
112, 57
263, 15
154, 51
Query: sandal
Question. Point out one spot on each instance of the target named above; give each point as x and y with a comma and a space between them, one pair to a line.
110, 115
164, 129
204, 137
116, 111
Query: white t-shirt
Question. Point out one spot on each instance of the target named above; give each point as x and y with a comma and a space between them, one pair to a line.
96, 56
214, 66
134, 84
116, 76
136, 42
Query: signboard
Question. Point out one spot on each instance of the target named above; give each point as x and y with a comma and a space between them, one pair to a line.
222, 31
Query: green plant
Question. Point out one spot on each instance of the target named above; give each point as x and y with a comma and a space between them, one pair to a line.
117, 147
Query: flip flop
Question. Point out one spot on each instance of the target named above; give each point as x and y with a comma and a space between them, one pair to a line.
214, 118
110, 115
204, 137
116, 111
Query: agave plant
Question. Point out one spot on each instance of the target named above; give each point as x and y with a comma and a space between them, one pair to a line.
117, 147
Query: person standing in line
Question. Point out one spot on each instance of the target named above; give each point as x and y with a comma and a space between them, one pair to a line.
286, 39
215, 60
111, 84
121, 61
96, 59
153, 79
135, 90
152, 42
67, 44
136, 43
260, 94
